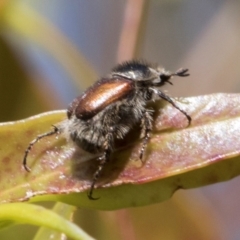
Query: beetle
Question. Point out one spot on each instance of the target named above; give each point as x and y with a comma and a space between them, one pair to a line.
110, 108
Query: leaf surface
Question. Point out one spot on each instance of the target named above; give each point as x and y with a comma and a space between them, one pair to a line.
177, 156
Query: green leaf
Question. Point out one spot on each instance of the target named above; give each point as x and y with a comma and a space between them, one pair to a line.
63, 210
6, 223
36, 215
177, 157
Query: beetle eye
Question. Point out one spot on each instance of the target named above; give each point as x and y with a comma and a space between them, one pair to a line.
164, 77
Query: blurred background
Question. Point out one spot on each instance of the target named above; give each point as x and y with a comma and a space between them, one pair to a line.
50, 51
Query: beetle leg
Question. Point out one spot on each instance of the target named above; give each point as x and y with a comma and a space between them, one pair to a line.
39, 137
168, 99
